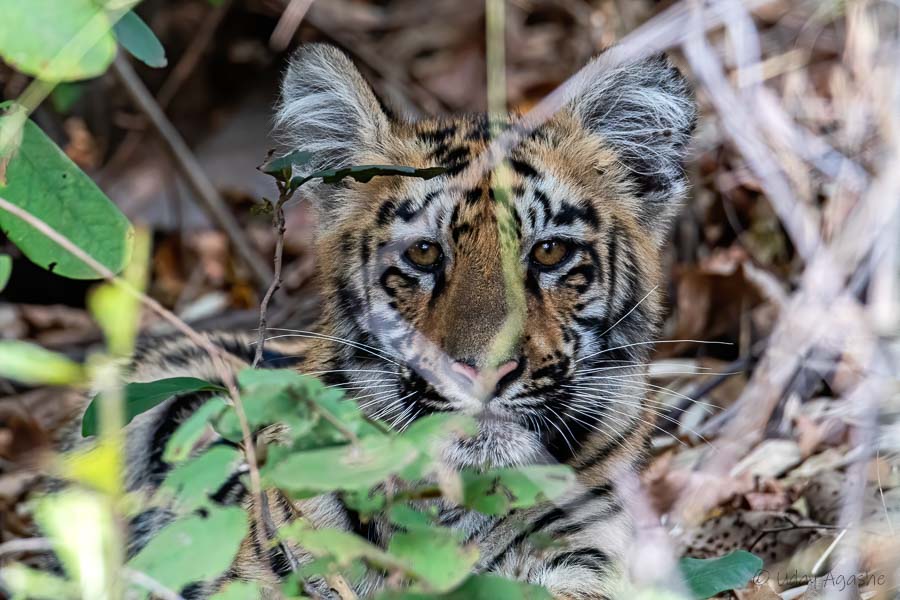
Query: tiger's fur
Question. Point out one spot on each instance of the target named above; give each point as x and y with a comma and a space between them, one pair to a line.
606, 175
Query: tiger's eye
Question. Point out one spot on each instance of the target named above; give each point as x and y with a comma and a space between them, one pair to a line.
550, 253
425, 255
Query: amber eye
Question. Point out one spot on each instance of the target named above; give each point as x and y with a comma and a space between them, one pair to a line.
547, 254
425, 255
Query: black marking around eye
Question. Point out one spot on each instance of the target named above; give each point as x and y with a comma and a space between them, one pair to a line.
523, 168
391, 275
440, 281
569, 213
532, 285
585, 271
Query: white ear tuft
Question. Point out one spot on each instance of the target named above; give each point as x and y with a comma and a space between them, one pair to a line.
328, 109
646, 112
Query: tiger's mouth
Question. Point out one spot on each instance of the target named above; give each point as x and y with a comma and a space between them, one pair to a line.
498, 442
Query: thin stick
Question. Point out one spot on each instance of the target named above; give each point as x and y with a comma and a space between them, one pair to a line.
190, 168
285, 194
24, 545
150, 584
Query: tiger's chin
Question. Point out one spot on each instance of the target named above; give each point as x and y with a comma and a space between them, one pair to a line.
498, 443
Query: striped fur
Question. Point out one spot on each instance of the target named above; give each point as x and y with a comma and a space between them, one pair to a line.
603, 177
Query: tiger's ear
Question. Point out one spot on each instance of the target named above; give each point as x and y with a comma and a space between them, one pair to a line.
327, 108
646, 112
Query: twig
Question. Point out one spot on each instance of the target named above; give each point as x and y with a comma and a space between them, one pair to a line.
22, 546
284, 194
143, 580
288, 23
190, 168
176, 78
325, 414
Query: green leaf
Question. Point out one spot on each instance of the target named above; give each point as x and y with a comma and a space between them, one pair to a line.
435, 556
342, 546
33, 365
499, 491
140, 41
238, 590
282, 166
348, 467
478, 587
141, 397
192, 482
194, 548
365, 173
56, 41
5, 270
708, 577
41, 179
409, 518
179, 446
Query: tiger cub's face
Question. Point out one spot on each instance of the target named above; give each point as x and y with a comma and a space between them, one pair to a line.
527, 297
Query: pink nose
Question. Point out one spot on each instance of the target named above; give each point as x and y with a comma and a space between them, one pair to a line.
473, 374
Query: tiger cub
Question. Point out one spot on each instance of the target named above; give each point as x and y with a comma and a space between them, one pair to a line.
534, 314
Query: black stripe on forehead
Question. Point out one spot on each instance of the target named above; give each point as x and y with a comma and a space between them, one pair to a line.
438, 136
569, 213
455, 159
541, 198
407, 209
523, 168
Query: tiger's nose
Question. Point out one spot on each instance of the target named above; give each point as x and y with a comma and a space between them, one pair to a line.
484, 379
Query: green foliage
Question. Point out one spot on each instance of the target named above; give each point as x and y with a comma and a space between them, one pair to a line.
238, 590
5, 270
56, 41
31, 364
500, 491
139, 40
185, 437
342, 468
141, 397
708, 577
478, 587
198, 547
190, 483
41, 179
